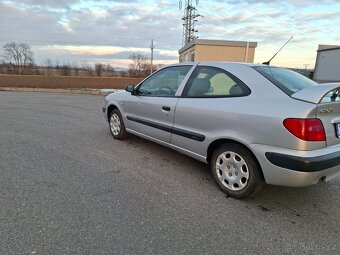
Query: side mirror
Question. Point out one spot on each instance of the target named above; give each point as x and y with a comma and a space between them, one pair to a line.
130, 88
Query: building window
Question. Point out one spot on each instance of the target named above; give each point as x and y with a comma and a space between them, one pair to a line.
192, 55
186, 57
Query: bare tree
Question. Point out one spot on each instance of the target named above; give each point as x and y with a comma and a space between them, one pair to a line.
109, 70
141, 67
35, 70
75, 69
138, 66
19, 55
88, 70
49, 66
157, 67
4, 67
123, 73
99, 68
65, 70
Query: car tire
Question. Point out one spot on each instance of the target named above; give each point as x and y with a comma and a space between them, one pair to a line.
236, 171
117, 126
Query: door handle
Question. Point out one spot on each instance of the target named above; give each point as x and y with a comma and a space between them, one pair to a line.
166, 108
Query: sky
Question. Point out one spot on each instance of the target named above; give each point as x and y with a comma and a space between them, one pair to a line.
87, 31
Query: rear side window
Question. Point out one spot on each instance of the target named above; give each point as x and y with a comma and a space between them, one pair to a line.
208, 81
287, 80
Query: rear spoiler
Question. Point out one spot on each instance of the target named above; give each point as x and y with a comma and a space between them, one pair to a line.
315, 94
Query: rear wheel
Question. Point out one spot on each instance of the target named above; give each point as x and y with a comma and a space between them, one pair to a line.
117, 126
235, 171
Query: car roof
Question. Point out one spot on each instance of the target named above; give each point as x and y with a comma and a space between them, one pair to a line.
219, 63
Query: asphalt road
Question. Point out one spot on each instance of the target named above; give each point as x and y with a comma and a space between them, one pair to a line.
66, 187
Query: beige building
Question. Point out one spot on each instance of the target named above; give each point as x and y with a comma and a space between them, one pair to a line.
217, 50
327, 64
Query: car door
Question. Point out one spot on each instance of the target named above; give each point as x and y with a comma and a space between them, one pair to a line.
208, 109
150, 108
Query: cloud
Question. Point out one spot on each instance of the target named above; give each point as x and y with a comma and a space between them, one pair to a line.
104, 29
296, 3
322, 16
127, 26
105, 55
46, 3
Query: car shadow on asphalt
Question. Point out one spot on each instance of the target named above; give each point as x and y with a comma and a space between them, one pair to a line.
271, 199
295, 199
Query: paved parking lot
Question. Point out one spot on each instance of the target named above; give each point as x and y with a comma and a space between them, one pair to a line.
67, 187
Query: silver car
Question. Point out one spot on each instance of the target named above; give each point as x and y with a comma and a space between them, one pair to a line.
253, 124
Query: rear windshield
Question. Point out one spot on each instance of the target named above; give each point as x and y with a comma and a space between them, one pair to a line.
287, 80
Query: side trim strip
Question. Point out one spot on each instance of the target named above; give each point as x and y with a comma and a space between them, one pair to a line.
304, 164
151, 124
169, 129
188, 134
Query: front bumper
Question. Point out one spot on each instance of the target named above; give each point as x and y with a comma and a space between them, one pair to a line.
295, 168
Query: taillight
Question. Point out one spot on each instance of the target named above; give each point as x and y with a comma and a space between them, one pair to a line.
306, 129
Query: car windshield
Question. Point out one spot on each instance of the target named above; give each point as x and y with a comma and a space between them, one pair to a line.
287, 80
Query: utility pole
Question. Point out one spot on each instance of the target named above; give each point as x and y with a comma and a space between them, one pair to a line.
152, 47
306, 65
189, 20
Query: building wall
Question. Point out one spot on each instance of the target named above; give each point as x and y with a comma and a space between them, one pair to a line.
326, 46
327, 66
217, 53
185, 56
224, 53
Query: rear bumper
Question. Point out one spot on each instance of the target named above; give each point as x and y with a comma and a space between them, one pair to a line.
297, 168
304, 164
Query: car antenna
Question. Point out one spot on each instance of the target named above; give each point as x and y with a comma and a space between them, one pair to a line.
268, 62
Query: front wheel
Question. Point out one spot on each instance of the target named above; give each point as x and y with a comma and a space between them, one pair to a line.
117, 126
235, 171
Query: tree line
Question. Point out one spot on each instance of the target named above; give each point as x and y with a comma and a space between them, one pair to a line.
19, 60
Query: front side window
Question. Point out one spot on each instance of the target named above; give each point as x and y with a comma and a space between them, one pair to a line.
214, 82
165, 82
287, 80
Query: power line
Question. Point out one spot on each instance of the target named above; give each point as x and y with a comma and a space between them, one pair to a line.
189, 20
227, 17
68, 43
278, 21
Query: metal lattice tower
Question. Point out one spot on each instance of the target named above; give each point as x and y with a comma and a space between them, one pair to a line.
189, 20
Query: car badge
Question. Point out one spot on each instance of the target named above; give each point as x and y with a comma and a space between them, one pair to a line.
329, 110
